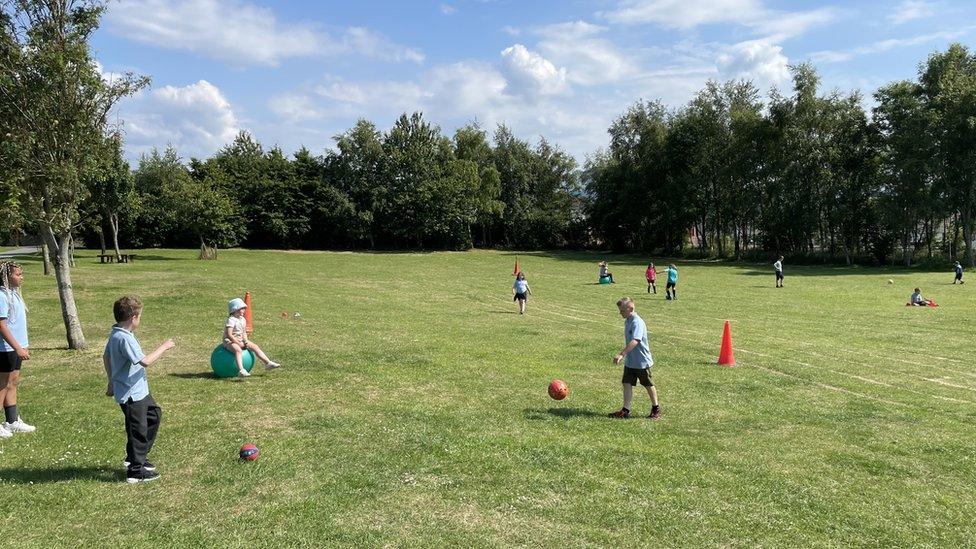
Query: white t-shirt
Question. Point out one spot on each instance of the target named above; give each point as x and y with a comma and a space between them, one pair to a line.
778, 265
238, 327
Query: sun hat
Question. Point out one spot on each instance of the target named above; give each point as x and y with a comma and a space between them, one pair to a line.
235, 305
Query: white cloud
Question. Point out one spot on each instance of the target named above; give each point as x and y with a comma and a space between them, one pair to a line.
588, 58
687, 14
294, 107
197, 119
758, 60
372, 44
909, 10
241, 33
448, 9
881, 46
530, 73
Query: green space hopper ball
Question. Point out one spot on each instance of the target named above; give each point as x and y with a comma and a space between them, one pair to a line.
223, 364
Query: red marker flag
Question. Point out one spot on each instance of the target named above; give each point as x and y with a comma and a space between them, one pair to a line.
517, 270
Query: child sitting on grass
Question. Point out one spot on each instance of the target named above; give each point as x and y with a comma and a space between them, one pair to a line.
916, 299
236, 341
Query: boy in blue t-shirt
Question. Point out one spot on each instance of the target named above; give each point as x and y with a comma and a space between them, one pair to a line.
636, 356
125, 365
13, 346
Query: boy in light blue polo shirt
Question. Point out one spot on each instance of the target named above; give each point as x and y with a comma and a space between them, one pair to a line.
125, 366
637, 359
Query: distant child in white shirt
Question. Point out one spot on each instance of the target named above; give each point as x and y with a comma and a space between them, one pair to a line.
236, 341
917, 300
778, 267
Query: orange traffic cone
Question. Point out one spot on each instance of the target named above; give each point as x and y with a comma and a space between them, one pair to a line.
247, 312
726, 357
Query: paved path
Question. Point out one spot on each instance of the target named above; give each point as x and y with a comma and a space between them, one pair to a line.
24, 250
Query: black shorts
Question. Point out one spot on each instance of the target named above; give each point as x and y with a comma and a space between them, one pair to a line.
520, 296
779, 275
9, 362
632, 375
670, 285
958, 276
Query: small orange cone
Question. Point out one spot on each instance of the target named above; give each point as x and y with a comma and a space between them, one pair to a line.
247, 312
726, 357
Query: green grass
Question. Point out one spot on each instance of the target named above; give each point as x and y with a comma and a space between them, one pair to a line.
411, 409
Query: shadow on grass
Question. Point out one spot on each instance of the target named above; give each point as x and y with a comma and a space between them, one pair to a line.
141, 257
503, 312
196, 375
564, 413
49, 475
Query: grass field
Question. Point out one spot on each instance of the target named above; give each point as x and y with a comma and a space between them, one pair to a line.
411, 409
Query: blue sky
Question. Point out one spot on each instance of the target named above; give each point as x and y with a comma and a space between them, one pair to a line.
297, 72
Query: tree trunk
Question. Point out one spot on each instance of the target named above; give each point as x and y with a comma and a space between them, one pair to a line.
71, 250
61, 246
113, 221
965, 219
101, 239
906, 252
47, 255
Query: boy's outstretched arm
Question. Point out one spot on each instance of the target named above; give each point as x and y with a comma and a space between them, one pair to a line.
155, 355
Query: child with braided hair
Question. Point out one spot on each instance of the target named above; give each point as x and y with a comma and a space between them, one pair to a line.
13, 346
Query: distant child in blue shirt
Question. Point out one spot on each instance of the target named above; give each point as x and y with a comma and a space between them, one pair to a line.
125, 366
671, 288
13, 346
520, 291
958, 273
636, 356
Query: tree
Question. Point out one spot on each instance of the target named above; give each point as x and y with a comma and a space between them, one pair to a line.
906, 193
471, 143
415, 156
948, 85
111, 190
356, 171
56, 107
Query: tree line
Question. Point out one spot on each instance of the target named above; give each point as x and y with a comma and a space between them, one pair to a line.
408, 187
804, 174
811, 174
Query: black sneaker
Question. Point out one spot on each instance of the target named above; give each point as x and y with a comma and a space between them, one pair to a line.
146, 466
622, 413
141, 476
655, 412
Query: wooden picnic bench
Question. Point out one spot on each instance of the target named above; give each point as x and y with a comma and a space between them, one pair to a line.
122, 258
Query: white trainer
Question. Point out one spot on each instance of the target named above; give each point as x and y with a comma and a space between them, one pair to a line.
19, 427
4, 432
272, 365
243, 373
